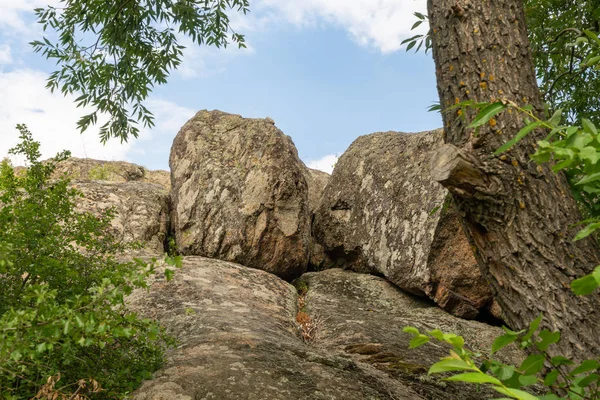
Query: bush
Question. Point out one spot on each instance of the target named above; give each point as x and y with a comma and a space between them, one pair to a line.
64, 327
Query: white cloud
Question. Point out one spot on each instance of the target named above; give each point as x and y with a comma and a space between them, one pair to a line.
50, 117
203, 61
324, 164
5, 54
169, 118
14, 11
52, 120
382, 24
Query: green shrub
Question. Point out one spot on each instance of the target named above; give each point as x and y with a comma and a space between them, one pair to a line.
64, 328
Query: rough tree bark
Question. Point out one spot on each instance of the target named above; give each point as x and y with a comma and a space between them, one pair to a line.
519, 216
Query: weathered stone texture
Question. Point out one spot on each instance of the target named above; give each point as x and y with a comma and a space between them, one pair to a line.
111, 171
239, 338
239, 193
381, 213
141, 210
317, 181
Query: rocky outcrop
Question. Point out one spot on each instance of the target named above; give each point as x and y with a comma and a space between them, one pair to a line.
141, 210
238, 331
316, 180
239, 193
382, 213
111, 171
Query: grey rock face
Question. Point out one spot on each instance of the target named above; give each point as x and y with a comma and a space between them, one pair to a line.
111, 171
382, 213
239, 193
239, 337
141, 210
317, 181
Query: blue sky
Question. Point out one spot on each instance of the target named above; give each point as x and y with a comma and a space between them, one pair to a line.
327, 71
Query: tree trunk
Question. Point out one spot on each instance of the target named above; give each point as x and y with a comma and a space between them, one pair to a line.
518, 215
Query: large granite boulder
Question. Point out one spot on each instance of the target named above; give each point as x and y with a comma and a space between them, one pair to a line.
239, 193
141, 210
240, 333
382, 213
111, 171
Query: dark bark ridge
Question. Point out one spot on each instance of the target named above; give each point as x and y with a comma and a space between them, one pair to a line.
519, 216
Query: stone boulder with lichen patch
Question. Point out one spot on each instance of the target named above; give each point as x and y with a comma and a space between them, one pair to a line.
141, 210
239, 193
382, 213
111, 171
240, 337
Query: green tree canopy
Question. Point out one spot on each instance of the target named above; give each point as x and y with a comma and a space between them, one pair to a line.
560, 49
113, 53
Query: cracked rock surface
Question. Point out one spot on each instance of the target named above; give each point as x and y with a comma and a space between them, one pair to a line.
239, 338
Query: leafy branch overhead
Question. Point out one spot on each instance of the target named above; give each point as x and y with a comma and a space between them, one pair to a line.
114, 53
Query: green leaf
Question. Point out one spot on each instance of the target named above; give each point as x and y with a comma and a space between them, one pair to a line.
416, 24
551, 377
434, 210
589, 178
527, 380
587, 231
592, 36
418, 340
515, 393
486, 114
587, 284
169, 273
561, 360
588, 380
550, 396
411, 329
457, 341
533, 326
474, 377
450, 364
502, 341
520, 135
505, 372
589, 154
588, 126
592, 61
585, 366
548, 338
556, 117
436, 333
532, 364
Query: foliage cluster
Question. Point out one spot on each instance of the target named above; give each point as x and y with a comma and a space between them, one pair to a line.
113, 53
561, 52
64, 328
563, 379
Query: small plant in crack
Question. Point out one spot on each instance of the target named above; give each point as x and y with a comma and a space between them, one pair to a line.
307, 326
